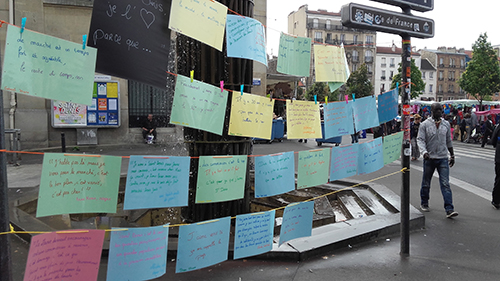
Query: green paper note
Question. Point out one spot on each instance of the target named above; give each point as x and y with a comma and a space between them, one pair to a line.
221, 178
198, 105
392, 147
43, 66
313, 168
294, 55
78, 184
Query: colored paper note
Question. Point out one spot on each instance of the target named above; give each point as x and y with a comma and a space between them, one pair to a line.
313, 167
137, 253
198, 105
157, 182
202, 244
43, 66
297, 221
303, 120
338, 119
203, 20
392, 147
274, 174
254, 234
221, 178
294, 55
78, 184
75, 255
246, 38
329, 62
251, 116
365, 113
69, 113
370, 157
387, 106
344, 161
112, 90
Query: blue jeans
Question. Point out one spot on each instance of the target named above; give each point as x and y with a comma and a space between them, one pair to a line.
444, 173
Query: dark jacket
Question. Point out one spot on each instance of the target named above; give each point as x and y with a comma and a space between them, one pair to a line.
494, 142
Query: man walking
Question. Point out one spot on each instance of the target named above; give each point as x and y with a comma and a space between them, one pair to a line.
496, 188
434, 141
488, 130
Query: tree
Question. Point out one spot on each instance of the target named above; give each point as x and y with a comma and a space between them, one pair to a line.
482, 76
359, 84
417, 84
320, 89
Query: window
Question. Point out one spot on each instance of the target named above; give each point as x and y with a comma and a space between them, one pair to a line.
342, 38
370, 68
369, 39
431, 75
329, 38
382, 88
354, 66
328, 24
355, 39
440, 88
392, 74
423, 74
441, 62
462, 62
383, 75
430, 88
355, 56
368, 56
143, 100
318, 36
315, 23
392, 63
383, 64
441, 75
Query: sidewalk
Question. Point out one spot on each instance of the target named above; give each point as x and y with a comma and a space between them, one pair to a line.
464, 248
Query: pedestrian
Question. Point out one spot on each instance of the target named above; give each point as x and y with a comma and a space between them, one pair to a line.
434, 142
496, 187
462, 130
149, 128
468, 127
415, 152
488, 130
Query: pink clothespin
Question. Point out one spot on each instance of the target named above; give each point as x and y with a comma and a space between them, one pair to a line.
346, 99
222, 86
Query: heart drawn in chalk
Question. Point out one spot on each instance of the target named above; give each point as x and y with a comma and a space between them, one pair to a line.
147, 17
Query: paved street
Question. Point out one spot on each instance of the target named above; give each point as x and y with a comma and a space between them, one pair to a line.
464, 248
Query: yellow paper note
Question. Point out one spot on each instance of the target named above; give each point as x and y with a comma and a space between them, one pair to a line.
329, 62
251, 116
112, 90
203, 20
303, 120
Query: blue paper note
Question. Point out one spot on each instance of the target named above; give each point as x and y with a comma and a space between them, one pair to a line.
157, 182
254, 234
246, 38
344, 161
387, 106
338, 119
138, 253
297, 221
365, 113
370, 157
202, 244
274, 174
392, 147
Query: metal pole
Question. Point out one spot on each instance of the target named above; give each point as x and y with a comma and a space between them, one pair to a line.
63, 142
5, 253
405, 152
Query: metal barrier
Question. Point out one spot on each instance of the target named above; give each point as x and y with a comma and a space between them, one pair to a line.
13, 143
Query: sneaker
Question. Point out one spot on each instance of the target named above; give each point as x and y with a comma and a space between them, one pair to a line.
305, 141
450, 214
495, 206
424, 208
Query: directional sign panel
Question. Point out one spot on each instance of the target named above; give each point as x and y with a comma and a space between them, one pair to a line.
365, 17
417, 5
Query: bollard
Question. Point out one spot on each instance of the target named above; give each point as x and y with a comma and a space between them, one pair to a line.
63, 142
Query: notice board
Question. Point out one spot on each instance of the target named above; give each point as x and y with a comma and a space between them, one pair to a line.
104, 112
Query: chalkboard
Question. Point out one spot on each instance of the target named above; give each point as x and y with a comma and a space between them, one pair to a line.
132, 38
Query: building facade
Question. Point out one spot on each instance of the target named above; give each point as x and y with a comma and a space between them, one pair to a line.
450, 64
387, 63
325, 27
429, 78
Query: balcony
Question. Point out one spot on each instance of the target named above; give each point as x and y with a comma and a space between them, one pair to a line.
355, 58
441, 65
383, 65
382, 78
441, 79
451, 79
392, 65
319, 40
368, 59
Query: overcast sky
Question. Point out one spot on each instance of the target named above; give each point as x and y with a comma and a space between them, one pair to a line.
458, 23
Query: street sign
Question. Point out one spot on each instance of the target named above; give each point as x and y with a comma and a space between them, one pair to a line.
365, 17
417, 5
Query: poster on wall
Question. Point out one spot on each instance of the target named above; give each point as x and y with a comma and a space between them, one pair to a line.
103, 111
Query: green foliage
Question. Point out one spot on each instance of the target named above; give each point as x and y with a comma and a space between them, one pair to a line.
359, 83
481, 78
321, 90
417, 84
